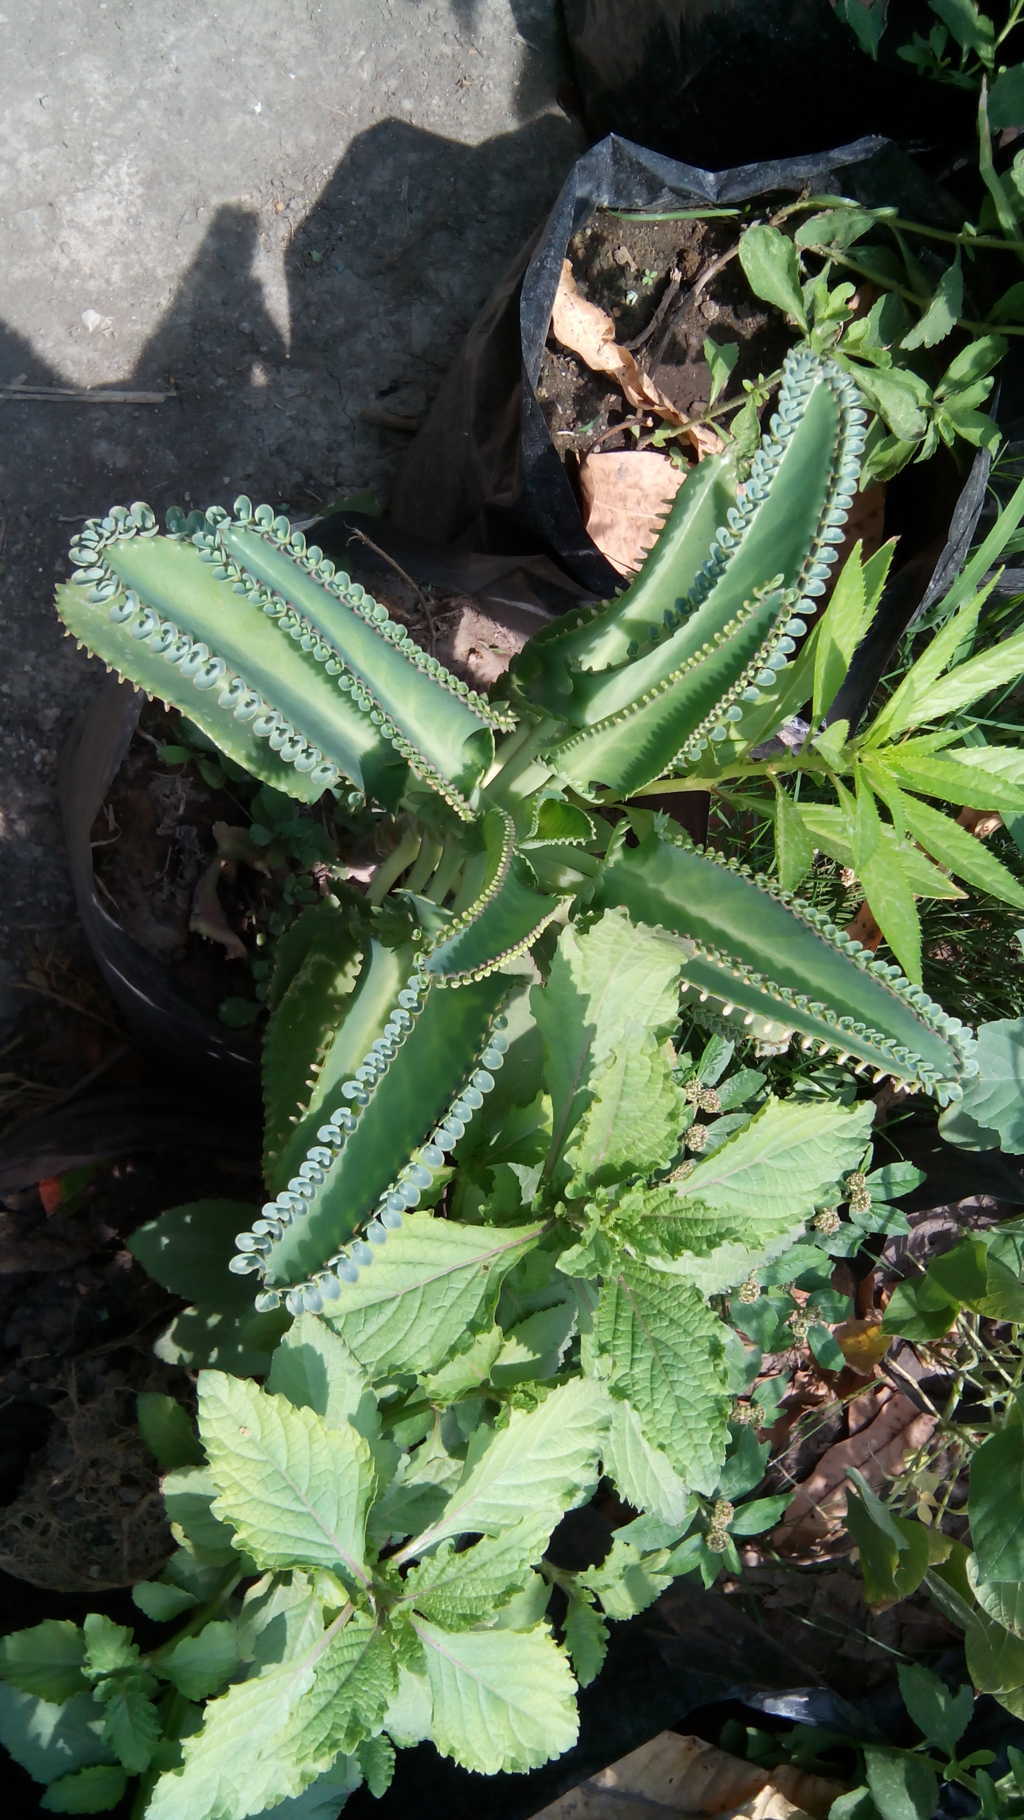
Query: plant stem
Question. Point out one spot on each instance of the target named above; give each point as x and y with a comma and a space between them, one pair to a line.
391, 868
429, 855
174, 1704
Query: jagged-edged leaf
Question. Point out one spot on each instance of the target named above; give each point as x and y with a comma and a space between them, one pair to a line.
952, 846
627, 1581
661, 1347
108, 1646
991, 669
502, 1700
281, 1617
324, 1798
466, 1370
274, 656
507, 915
631, 1126
545, 1457
385, 1137
189, 1493
50, 1738
777, 1168
943, 312
979, 783
430, 1286
201, 1663
458, 1591
46, 1660
643, 1474
315, 1370
294, 1489
779, 960
266, 1740
849, 613
794, 849
376, 1758
95, 1790
535, 1347
610, 987
831, 830
131, 1726
886, 889
586, 1639
160, 1601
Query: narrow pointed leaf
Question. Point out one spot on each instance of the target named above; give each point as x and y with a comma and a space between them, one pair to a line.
952, 846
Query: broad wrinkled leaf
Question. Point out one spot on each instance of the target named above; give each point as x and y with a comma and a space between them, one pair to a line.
777, 1167
663, 1348
294, 1490
545, 1458
465, 1589
586, 1639
95, 1790
46, 1660
643, 1475
431, 1284
631, 1126
315, 1370
627, 1580
502, 1700
991, 1112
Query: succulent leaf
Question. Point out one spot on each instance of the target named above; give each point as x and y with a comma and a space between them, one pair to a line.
264, 645
504, 920
392, 1123
760, 953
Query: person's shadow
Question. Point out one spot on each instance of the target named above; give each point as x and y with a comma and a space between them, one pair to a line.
382, 278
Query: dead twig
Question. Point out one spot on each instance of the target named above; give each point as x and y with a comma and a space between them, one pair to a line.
59, 394
424, 605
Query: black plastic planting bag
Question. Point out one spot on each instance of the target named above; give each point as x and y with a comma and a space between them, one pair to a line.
724, 81
483, 472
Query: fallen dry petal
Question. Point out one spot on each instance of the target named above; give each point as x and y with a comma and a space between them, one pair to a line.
814, 1520
684, 1775
625, 497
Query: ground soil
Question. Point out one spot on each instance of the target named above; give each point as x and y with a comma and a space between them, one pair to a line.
668, 285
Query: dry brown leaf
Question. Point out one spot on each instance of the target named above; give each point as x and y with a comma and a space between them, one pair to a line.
208, 917
813, 1523
864, 1344
589, 332
686, 1776
625, 498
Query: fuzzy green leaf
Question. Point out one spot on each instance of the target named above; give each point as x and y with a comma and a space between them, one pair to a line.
586, 1639
502, 1700
545, 1457
266, 1740
46, 1661
315, 1370
95, 1790
200, 1664
663, 1348
461, 1590
294, 1490
628, 1581
610, 987
430, 1286
642, 1474
777, 1167
631, 1126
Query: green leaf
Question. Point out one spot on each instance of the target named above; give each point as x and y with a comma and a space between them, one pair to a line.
777, 1167
943, 312
502, 1700
51, 1739
841, 628
1006, 98
631, 1126
899, 397
167, 1430
974, 784
991, 1113
996, 1506
86, 1791
108, 1646
940, 1717
952, 846
586, 1638
46, 1661
131, 1725
187, 1249
995, 1662
200, 1664
902, 1786
972, 29
894, 1552
642, 1474
294, 1490
377, 1760
835, 227
461, 1590
831, 831
999, 665
610, 987
721, 359
430, 1286
757, 1516
794, 848
189, 1492
546, 1458
267, 1739
535, 1347
315, 1370
888, 893
1000, 1600
160, 1601
772, 269
661, 1347
628, 1581
920, 1310
324, 1798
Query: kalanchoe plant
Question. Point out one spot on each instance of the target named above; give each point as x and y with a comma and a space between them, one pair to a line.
531, 944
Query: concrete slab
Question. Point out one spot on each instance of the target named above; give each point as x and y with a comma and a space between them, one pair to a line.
284, 213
